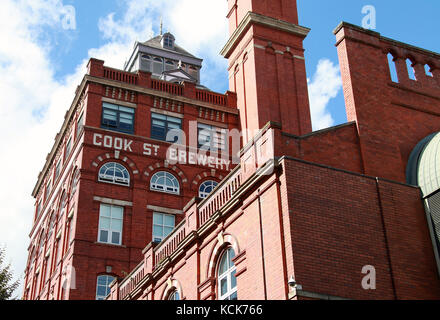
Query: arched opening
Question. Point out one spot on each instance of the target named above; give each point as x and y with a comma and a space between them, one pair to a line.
411, 71
392, 66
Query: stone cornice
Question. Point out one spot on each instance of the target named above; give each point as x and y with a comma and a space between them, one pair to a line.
383, 39
254, 18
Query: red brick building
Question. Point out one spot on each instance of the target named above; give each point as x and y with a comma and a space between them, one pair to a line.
302, 213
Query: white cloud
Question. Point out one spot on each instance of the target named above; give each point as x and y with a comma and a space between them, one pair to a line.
33, 102
324, 86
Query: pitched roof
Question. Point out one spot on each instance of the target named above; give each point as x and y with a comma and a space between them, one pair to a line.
155, 43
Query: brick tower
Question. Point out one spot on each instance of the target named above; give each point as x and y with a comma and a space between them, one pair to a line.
267, 66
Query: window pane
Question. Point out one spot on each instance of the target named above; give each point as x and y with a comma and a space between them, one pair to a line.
103, 236
169, 220
167, 231
110, 106
223, 286
231, 255
101, 291
102, 280
105, 210
233, 280
116, 237
223, 265
158, 116
117, 225
233, 296
158, 218
117, 212
127, 110
104, 223
157, 231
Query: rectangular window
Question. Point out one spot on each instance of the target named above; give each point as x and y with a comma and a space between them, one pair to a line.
210, 137
110, 224
38, 209
48, 188
163, 225
58, 169
161, 125
117, 118
59, 251
79, 124
68, 148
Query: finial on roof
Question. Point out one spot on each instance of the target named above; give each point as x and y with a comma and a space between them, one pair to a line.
161, 25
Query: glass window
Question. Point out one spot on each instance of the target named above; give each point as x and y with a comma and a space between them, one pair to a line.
68, 148
51, 226
174, 295
103, 286
157, 65
165, 182
48, 188
38, 208
145, 63
169, 65
114, 173
79, 124
161, 125
163, 225
117, 118
58, 170
210, 137
110, 224
75, 181
206, 188
227, 282
168, 42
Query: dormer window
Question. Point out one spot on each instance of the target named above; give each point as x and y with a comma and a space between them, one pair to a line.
168, 41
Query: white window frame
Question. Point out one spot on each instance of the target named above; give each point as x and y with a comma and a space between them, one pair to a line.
163, 236
102, 177
107, 278
228, 274
110, 230
155, 186
206, 184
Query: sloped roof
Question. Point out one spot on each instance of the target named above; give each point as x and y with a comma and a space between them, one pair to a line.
155, 43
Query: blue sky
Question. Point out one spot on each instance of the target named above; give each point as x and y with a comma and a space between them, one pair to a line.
400, 20
41, 63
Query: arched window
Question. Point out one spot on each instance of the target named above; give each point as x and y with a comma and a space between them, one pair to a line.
428, 70
51, 226
145, 63
410, 67
169, 65
75, 181
103, 286
174, 295
157, 66
392, 65
165, 182
227, 283
114, 173
206, 188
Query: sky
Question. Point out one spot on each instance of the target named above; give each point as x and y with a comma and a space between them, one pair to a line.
45, 46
